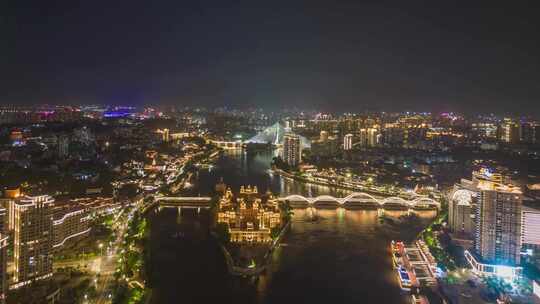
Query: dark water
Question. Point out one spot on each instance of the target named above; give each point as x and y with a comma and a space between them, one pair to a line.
338, 256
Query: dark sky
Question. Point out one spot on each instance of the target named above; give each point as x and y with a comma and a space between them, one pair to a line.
342, 55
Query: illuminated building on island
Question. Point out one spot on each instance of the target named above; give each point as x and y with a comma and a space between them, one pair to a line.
249, 216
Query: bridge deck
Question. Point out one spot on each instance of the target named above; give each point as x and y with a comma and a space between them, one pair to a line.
185, 201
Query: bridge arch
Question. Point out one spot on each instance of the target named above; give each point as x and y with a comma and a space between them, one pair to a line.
360, 194
396, 200
341, 201
297, 197
426, 201
326, 198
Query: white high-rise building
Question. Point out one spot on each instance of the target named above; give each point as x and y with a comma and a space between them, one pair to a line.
292, 150
530, 229
498, 234
348, 142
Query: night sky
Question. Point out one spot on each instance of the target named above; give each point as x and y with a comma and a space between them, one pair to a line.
330, 55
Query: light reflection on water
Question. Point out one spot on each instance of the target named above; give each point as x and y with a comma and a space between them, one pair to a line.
329, 255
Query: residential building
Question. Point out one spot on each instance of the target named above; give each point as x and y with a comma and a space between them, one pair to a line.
530, 235
63, 146
498, 226
510, 132
323, 136
461, 211
70, 222
292, 150
30, 219
348, 142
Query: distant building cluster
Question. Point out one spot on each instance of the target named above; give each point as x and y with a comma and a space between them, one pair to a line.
422, 131
249, 215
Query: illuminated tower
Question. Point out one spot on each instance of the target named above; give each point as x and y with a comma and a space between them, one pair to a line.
291, 149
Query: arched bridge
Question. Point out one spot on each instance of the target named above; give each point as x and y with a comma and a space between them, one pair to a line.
365, 198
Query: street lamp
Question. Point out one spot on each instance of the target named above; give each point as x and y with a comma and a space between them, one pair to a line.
100, 248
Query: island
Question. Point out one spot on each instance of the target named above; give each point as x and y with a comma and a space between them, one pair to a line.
249, 225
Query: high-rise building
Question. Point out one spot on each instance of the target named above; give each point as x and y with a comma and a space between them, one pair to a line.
369, 137
83, 135
393, 135
71, 222
510, 131
496, 206
63, 146
3, 253
461, 212
498, 223
30, 219
372, 137
292, 149
323, 136
530, 234
363, 138
348, 142
166, 136
526, 132
464, 202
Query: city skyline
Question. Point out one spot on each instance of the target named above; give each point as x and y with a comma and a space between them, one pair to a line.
269, 152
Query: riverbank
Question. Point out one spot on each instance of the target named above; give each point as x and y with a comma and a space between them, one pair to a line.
299, 178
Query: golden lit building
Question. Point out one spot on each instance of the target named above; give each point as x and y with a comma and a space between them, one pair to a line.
250, 216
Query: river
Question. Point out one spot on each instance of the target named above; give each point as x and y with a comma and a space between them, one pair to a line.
337, 255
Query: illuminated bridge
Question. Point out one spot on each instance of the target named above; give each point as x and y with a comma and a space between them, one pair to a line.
274, 135
183, 201
363, 199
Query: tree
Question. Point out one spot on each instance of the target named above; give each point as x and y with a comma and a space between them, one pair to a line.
275, 232
222, 232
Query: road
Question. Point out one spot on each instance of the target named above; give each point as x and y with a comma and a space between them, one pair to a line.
106, 265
